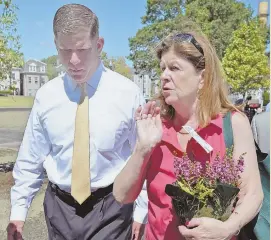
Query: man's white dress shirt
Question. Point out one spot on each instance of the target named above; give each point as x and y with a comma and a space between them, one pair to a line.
49, 135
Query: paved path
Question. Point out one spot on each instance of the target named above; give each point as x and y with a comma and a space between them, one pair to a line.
10, 138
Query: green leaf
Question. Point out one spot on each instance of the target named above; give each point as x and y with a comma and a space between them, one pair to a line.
10, 55
217, 19
245, 62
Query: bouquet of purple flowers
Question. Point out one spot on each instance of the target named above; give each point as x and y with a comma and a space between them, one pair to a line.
208, 190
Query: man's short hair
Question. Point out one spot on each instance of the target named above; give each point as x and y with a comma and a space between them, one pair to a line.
71, 17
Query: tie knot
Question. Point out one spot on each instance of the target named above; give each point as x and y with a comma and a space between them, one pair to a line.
83, 88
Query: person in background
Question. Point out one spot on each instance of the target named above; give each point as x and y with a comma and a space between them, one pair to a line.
267, 107
260, 125
261, 132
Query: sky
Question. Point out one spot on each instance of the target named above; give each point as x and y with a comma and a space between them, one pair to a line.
119, 20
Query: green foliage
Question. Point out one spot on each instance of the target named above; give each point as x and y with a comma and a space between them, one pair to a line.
266, 98
202, 190
118, 64
143, 45
51, 66
217, 19
245, 62
158, 11
5, 92
10, 55
51, 60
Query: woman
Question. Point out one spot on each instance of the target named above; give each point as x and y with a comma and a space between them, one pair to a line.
192, 94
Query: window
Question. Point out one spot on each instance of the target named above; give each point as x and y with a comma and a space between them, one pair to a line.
36, 80
13, 76
29, 79
32, 68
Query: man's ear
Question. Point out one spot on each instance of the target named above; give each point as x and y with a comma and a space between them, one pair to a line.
56, 43
100, 44
201, 83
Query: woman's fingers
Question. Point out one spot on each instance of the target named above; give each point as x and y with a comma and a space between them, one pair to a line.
138, 113
156, 111
153, 108
146, 110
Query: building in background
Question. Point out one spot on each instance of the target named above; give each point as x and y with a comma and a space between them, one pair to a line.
143, 81
59, 68
32, 77
12, 80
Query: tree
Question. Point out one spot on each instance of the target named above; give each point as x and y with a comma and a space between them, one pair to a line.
161, 18
158, 11
118, 64
266, 97
121, 67
10, 55
51, 66
105, 59
217, 19
245, 62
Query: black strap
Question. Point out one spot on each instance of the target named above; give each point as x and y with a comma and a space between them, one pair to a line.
228, 137
246, 233
260, 155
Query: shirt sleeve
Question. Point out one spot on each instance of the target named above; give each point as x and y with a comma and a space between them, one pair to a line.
28, 168
141, 203
254, 129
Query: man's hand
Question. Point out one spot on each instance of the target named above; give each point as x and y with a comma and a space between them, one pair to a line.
137, 231
15, 230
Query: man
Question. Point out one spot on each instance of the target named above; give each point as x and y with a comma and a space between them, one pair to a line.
83, 124
261, 131
267, 107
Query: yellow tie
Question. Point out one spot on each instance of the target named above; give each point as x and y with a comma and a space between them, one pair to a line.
80, 186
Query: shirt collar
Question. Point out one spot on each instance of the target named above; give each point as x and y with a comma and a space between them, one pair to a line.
93, 82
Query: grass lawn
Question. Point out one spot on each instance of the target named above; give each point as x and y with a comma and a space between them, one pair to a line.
16, 101
15, 121
8, 155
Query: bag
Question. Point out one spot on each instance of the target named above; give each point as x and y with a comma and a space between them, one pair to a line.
246, 232
260, 155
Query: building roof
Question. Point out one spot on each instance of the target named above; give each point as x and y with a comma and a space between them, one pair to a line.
59, 66
35, 60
